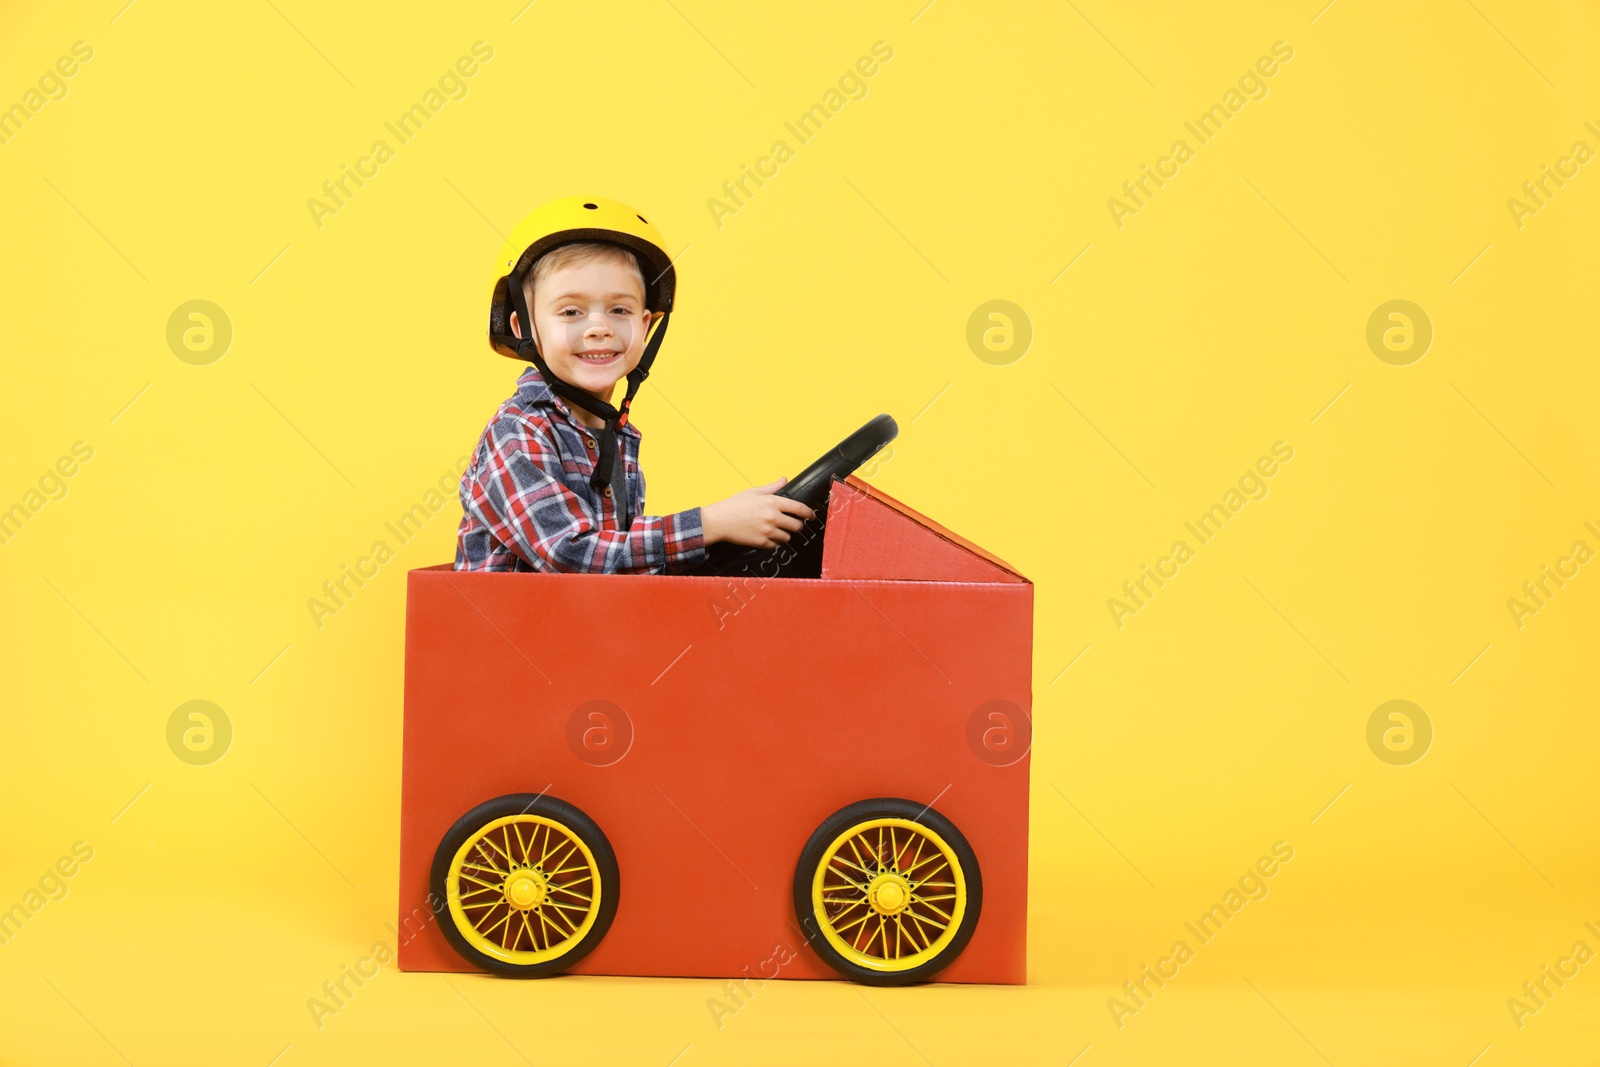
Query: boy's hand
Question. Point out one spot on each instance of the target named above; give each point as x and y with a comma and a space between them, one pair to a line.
755, 517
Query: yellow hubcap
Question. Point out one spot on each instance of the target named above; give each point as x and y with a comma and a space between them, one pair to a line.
524, 889
889, 894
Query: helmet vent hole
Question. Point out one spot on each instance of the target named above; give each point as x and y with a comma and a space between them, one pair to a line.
642, 219
592, 207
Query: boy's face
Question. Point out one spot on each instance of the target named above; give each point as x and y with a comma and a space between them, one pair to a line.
590, 323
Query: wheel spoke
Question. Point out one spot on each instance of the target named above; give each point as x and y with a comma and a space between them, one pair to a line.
871, 937
585, 877
902, 932
580, 909
572, 927
840, 930
883, 936
522, 848
845, 863
917, 854
936, 910
585, 897
504, 920
843, 857
469, 878
513, 932
941, 896
847, 888
923, 920
533, 942
533, 840
846, 859
544, 920
911, 936
573, 894
565, 870
935, 855
487, 840
482, 864
549, 847
913, 932
848, 882
839, 915
855, 942
561, 853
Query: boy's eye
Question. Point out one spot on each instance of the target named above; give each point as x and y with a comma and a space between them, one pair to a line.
622, 309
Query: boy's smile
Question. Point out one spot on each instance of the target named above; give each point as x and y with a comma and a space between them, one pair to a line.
590, 323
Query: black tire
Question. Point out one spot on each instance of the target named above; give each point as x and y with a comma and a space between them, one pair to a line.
955, 934
576, 825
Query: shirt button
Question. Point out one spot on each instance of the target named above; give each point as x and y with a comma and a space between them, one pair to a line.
607, 492
590, 442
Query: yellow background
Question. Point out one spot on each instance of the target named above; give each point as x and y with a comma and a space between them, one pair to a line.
1224, 316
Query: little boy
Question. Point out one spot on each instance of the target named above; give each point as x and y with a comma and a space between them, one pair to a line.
555, 483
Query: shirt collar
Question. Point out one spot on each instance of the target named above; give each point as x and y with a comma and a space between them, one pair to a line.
533, 390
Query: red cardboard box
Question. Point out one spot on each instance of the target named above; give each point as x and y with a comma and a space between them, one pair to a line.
736, 717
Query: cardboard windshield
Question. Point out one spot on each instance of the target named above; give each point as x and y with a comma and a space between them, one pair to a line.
870, 534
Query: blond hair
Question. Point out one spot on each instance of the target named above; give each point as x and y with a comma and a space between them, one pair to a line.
574, 254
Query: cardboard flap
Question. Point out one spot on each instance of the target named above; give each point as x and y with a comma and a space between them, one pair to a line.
871, 535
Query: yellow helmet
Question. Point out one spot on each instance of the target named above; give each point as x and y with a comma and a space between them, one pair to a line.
564, 221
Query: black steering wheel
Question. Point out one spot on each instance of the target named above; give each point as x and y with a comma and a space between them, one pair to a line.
801, 555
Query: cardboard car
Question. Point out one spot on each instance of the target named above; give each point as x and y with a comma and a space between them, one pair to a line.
702, 776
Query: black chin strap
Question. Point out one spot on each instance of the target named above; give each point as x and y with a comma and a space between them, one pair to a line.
614, 417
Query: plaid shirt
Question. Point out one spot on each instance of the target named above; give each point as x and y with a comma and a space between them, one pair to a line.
528, 506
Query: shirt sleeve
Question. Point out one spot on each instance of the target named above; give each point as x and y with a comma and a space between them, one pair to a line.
686, 546
685, 539
511, 490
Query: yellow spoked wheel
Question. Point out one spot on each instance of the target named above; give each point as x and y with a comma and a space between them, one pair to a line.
888, 891
530, 882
